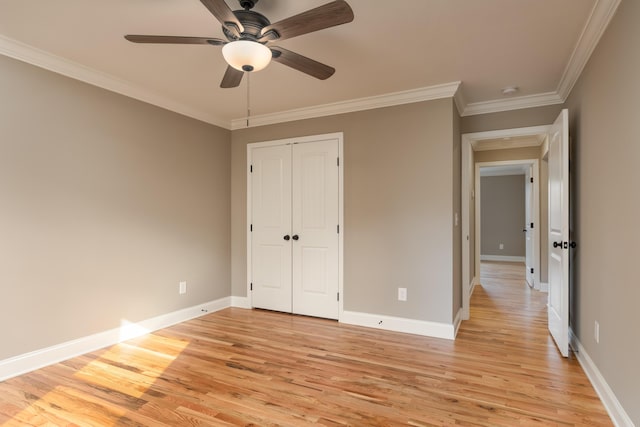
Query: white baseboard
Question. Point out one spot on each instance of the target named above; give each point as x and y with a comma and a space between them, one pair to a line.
241, 302
31, 361
457, 322
399, 324
503, 258
544, 287
474, 282
617, 413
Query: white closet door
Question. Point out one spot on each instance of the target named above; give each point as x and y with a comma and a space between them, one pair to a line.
315, 218
271, 222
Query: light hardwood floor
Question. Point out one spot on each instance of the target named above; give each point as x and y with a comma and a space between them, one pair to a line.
243, 367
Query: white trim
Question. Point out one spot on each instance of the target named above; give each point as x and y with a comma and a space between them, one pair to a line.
466, 197
430, 93
497, 105
399, 324
601, 14
475, 137
611, 403
31, 55
457, 322
544, 287
474, 283
28, 362
503, 258
461, 102
241, 302
298, 140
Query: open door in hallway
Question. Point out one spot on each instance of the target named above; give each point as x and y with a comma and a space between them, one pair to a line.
558, 307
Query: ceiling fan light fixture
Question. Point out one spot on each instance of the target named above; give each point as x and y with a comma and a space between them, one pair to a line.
246, 55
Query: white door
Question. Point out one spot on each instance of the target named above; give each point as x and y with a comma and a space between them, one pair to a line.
294, 220
271, 227
558, 307
315, 218
528, 230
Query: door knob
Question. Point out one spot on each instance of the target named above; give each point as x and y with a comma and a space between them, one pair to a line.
295, 237
287, 237
557, 244
572, 245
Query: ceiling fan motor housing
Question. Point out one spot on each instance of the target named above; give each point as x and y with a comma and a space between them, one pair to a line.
253, 23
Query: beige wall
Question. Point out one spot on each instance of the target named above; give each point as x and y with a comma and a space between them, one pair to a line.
398, 167
605, 128
525, 117
502, 212
106, 204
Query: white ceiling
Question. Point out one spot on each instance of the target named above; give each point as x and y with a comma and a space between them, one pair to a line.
392, 52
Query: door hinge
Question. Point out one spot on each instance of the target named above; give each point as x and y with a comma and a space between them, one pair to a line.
251, 227
532, 271
338, 296
251, 286
338, 228
531, 179
338, 161
251, 169
531, 225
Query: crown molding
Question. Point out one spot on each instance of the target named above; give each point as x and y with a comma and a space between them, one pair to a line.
458, 98
447, 90
497, 105
31, 55
599, 19
601, 15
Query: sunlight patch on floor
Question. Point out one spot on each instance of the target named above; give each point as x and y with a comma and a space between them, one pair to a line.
129, 368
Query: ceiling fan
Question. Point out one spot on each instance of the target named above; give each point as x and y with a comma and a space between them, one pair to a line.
250, 34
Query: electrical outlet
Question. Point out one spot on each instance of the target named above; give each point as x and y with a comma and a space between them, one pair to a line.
596, 332
182, 288
501, 246
402, 294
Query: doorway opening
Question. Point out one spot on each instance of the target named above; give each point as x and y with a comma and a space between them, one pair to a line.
510, 148
507, 215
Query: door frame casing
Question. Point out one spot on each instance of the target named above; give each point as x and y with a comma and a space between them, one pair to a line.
469, 278
290, 141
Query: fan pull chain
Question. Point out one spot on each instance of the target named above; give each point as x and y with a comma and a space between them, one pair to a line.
248, 97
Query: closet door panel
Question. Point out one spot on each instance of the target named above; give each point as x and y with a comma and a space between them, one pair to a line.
315, 216
271, 222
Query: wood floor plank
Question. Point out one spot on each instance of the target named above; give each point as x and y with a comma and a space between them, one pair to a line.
241, 367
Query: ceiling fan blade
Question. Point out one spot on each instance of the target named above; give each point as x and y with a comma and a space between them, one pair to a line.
329, 15
225, 15
135, 38
302, 63
232, 78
